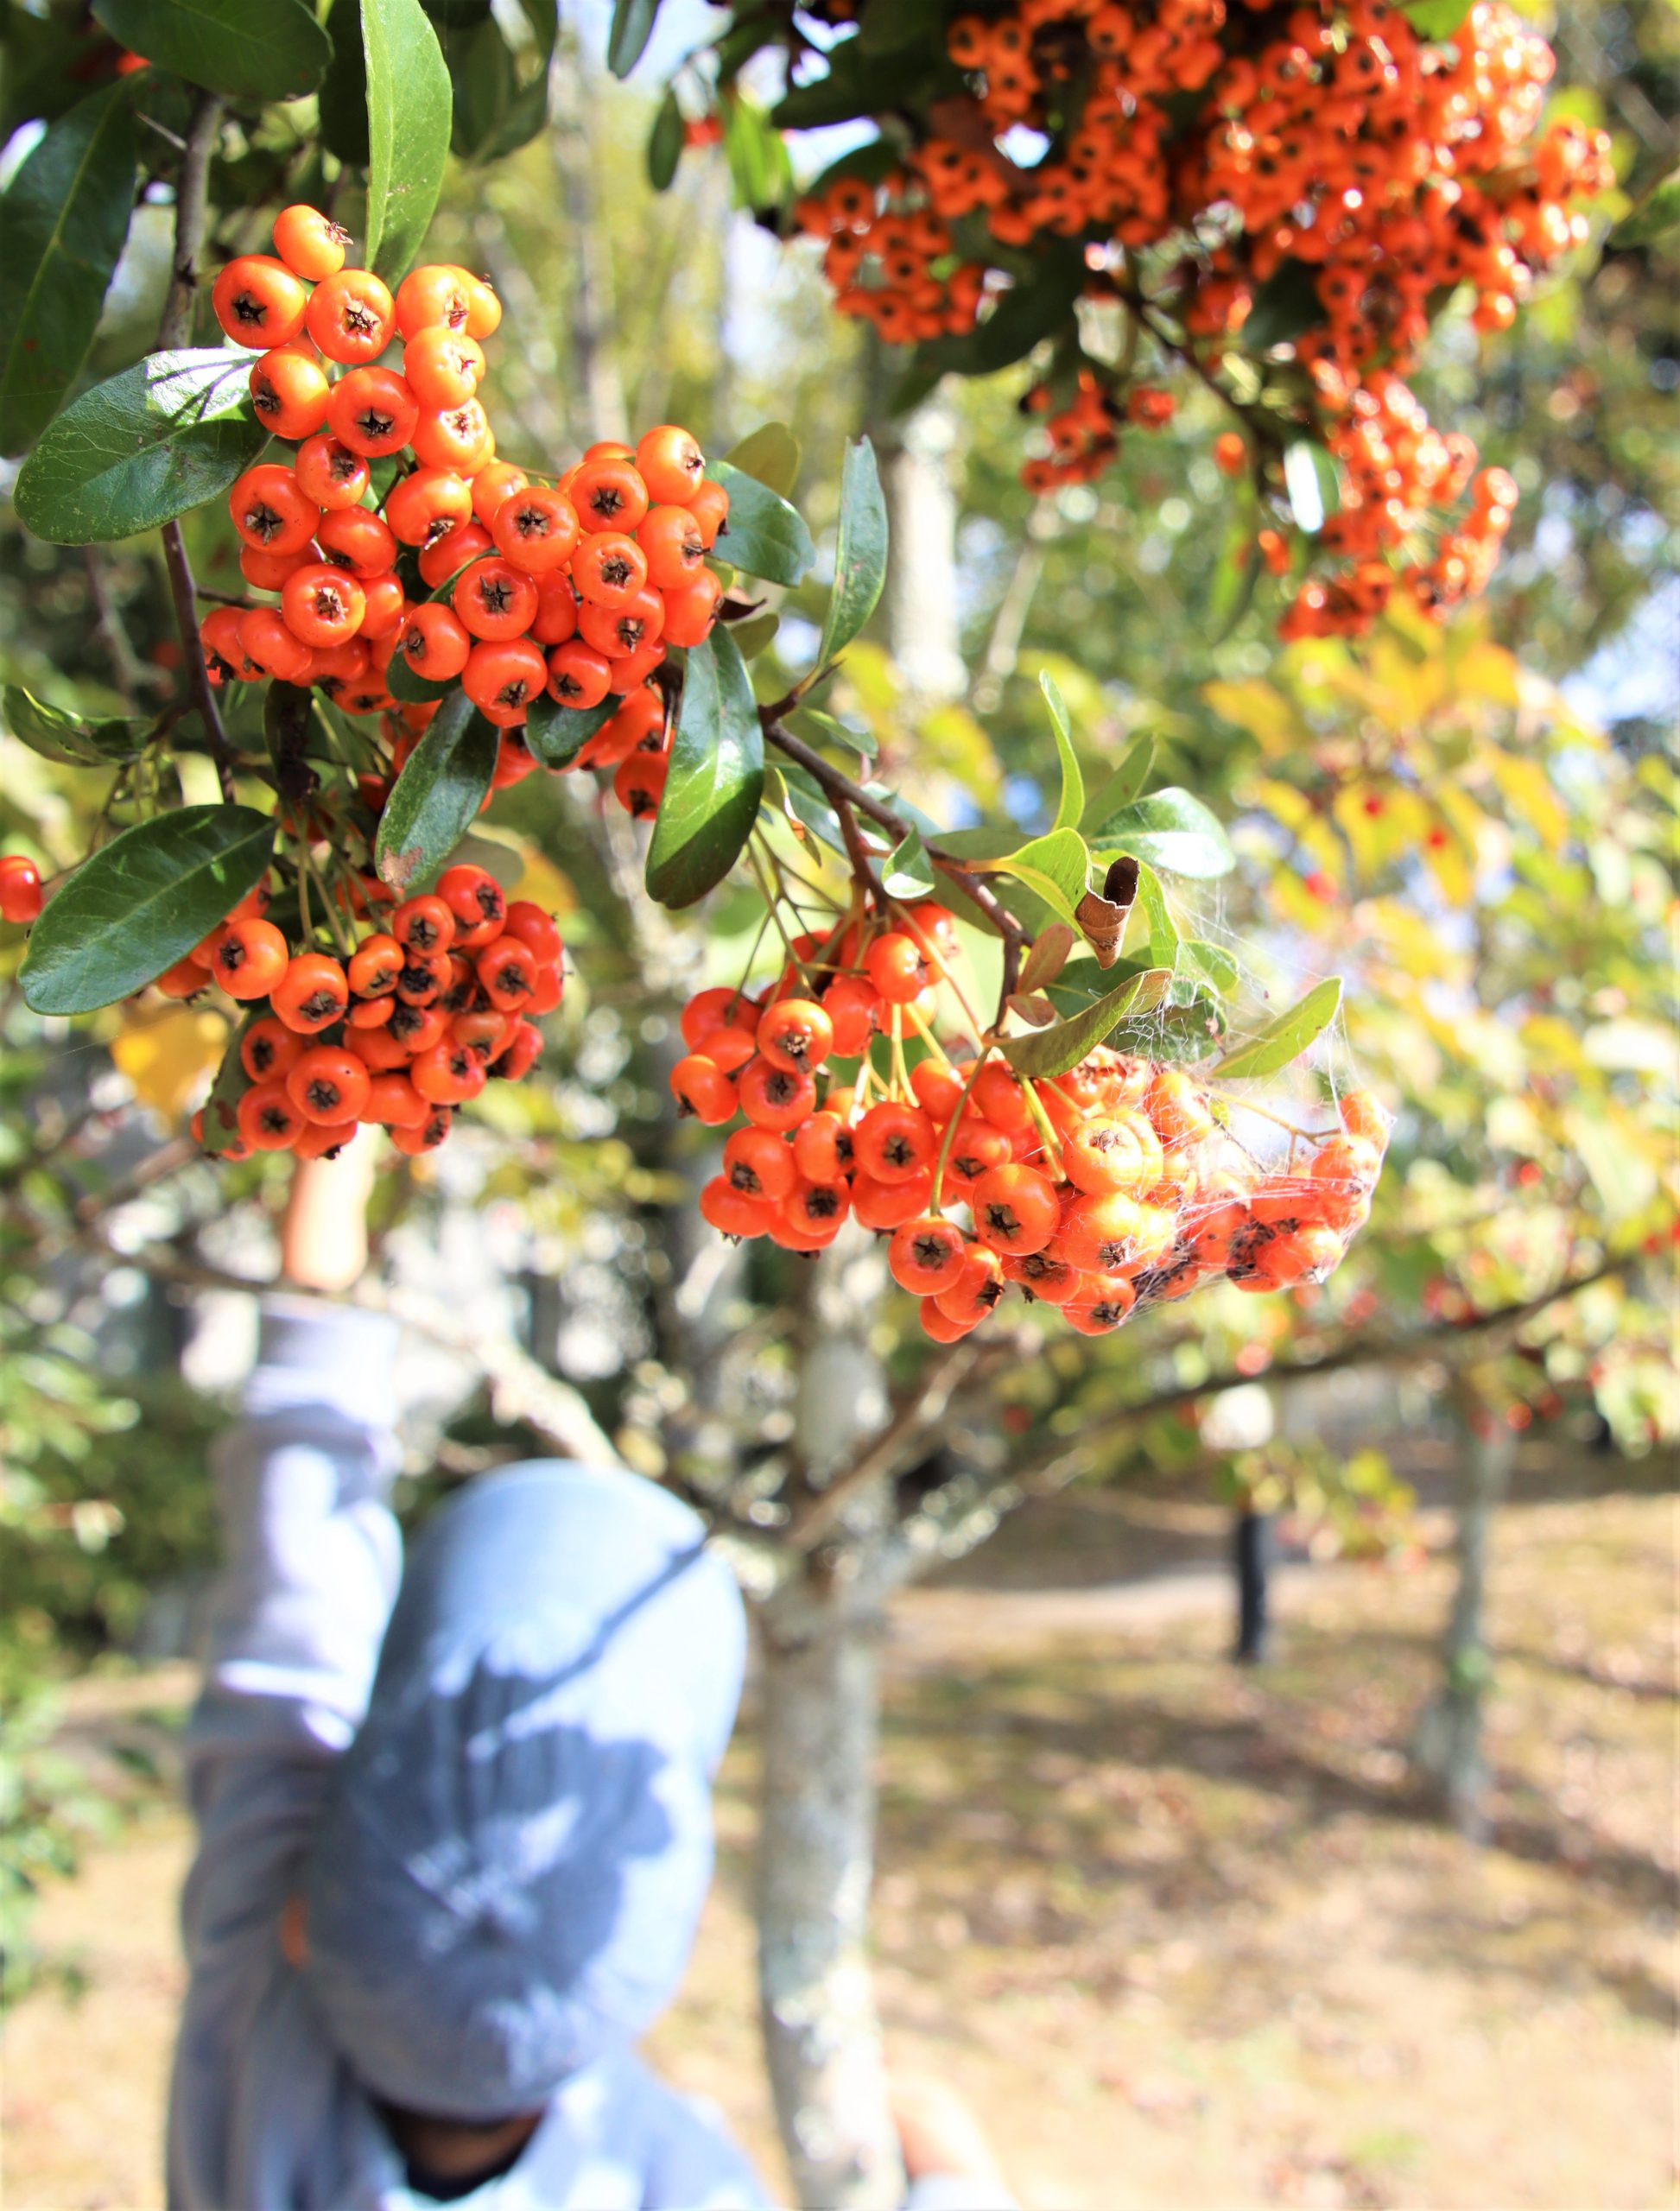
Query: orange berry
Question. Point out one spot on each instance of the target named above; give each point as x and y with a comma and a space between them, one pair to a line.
289, 390
702, 1090
269, 1051
773, 1097
1015, 1209
328, 1085
322, 604
535, 528
329, 473
671, 465
351, 316
258, 302
269, 511
690, 613
372, 411
312, 994
443, 366
672, 545
311, 244
501, 679
267, 1119
495, 599
434, 643
895, 1143
578, 675
926, 1255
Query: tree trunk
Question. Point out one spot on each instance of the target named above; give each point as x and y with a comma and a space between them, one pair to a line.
821, 1632
1448, 1747
922, 616
1253, 1549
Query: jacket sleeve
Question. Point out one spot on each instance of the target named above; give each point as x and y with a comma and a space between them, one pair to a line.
310, 1561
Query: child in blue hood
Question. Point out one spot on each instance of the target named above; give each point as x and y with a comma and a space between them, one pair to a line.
455, 1819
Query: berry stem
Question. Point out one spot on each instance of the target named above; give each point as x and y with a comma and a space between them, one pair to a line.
949, 1136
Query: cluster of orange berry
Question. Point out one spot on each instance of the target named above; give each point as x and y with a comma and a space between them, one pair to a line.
1107, 1188
414, 1023
475, 575
1247, 136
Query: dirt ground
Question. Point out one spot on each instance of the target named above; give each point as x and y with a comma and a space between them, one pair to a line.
1180, 1933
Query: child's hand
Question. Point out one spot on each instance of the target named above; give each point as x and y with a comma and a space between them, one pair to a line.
323, 1237
938, 2133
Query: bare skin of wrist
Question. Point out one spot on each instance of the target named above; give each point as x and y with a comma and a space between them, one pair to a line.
323, 1237
938, 2133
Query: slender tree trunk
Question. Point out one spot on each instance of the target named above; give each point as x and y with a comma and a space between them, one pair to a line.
594, 316
1252, 1547
922, 616
821, 1634
1449, 1748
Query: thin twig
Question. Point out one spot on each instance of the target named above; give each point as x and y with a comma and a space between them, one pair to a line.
191, 207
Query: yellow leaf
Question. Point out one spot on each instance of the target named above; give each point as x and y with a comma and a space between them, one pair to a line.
545, 885
168, 1056
1530, 795
1262, 709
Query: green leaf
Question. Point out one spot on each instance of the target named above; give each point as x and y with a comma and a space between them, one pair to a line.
1285, 305
818, 728
409, 116
164, 437
716, 778
889, 26
69, 737
755, 634
1309, 477
1289, 1036
342, 100
908, 873
557, 734
756, 152
771, 452
1122, 786
764, 535
435, 800
220, 1124
1434, 19
62, 223
249, 49
142, 903
1215, 963
860, 554
405, 683
632, 26
665, 143
1163, 929
1058, 867
1168, 829
1071, 804
1652, 215
1050, 1052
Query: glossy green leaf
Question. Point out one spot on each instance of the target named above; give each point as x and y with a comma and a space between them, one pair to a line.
1653, 216
716, 778
70, 739
908, 873
557, 734
764, 535
1058, 867
409, 116
405, 683
1168, 829
248, 49
1215, 963
142, 903
1122, 786
1285, 1039
631, 28
1050, 1052
62, 223
860, 554
819, 728
756, 633
165, 435
1163, 929
771, 452
1070, 805
1309, 477
435, 800
665, 143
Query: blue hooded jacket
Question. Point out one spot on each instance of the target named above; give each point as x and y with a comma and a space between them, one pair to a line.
503, 1833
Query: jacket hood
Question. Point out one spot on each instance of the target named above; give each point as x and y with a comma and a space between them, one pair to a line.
507, 1876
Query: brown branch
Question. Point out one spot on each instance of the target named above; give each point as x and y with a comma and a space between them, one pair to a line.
940, 1381
841, 788
192, 208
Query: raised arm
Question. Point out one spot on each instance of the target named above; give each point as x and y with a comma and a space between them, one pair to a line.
310, 1561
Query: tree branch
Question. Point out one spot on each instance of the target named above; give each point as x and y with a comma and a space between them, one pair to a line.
191, 207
